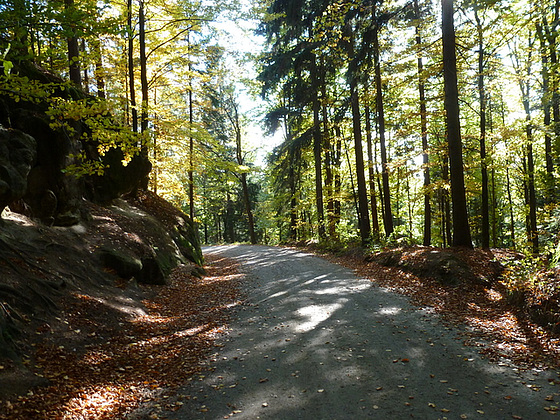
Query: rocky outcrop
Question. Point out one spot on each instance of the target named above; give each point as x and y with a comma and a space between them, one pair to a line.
18, 152
53, 195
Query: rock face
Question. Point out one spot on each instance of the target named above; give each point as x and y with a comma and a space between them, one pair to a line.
34, 181
154, 237
53, 195
18, 152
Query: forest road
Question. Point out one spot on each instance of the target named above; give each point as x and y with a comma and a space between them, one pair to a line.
313, 341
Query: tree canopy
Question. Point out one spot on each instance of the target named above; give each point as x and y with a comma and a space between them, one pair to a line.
400, 122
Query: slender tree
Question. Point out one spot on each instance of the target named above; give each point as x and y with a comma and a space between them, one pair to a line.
387, 214
461, 228
427, 237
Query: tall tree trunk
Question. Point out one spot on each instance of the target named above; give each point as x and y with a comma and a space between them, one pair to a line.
547, 106
529, 168
317, 149
445, 204
73, 47
461, 228
485, 222
511, 216
532, 200
131, 82
387, 214
241, 161
293, 203
85, 79
427, 239
551, 35
99, 72
363, 212
371, 176
337, 177
365, 229
191, 139
328, 163
143, 68
191, 156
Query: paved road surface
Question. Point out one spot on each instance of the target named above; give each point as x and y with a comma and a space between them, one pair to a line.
315, 342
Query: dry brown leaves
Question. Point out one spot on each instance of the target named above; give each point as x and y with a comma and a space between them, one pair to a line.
503, 332
112, 365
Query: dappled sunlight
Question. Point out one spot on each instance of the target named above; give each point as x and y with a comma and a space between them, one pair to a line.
493, 295
117, 355
123, 306
389, 311
314, 315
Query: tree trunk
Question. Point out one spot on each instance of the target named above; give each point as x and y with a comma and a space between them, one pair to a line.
461, 228
99, 73
387, 214
317, 148
191, 156
551, 34
427, 239
191, 139
530, 196
485, 222
331, 225
445, 205
510, 201
239, 153
73, 48
362, 207
360, 169
371, 176
337, 177
131, 84
547, 106
143, 68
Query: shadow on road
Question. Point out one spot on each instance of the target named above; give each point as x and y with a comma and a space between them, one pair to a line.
315, 342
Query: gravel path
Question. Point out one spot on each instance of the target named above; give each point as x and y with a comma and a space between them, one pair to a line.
316, 342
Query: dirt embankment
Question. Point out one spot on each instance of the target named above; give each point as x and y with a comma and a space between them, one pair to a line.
44, 271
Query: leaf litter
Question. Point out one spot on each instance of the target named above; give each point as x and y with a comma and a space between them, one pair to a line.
113, 365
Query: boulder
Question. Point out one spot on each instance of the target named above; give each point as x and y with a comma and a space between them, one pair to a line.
18, 152
124, 264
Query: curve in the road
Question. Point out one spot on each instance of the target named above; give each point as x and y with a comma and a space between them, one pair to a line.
316, 342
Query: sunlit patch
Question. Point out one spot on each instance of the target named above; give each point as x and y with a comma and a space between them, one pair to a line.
98, 403
315, 314
473, 306
393, 310
328, 291
493, 295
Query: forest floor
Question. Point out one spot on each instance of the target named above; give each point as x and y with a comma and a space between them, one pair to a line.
109, 357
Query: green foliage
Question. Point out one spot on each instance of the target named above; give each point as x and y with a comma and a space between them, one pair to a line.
102, 132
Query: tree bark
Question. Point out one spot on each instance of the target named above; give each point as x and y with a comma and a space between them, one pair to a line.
547, 106
317, 149
427, 238
365, 229
362, 207
331, 225
387, 214
371, 176
73, 48
143, 68
99, 73
461, 228
239, 153
485, 211
131, 82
